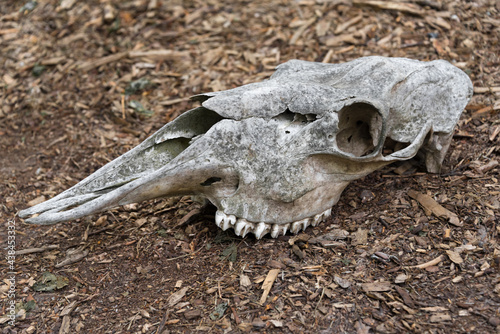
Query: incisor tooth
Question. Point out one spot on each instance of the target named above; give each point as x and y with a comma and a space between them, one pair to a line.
261, 230
317, 219
305, 223
299, 225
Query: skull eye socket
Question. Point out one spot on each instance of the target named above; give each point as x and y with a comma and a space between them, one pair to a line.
360, 127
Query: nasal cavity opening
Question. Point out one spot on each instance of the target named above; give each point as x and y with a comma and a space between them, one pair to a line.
360, 128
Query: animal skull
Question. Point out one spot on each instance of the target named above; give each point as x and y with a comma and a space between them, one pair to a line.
275, 156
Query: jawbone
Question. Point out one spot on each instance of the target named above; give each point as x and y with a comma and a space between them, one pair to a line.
242, 226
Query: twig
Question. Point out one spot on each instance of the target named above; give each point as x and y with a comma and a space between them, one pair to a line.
123, 106
36, 250
185, 255
236, 317
163, 54
163, 321
173, 101
428, 264
320, 298
87, 66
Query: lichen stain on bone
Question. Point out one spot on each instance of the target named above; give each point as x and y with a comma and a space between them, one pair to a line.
275, 156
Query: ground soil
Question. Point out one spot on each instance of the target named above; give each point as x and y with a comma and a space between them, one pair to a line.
395, 267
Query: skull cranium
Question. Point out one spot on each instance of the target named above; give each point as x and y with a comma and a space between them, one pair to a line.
276, 155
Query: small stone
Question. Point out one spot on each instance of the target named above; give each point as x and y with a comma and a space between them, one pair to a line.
401, 278
343, 283
494, 321
366, 196
258, 323
109, 13
468, 43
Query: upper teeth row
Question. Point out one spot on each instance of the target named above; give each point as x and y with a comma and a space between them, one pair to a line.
242, 226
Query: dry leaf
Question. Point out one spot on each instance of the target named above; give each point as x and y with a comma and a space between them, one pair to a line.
401, 278
377, 286
360, 237
361, 328
343, 305
430, 204
245, 280
72, 257
455, 257
343, 283
440, 317
434, 309
176, 296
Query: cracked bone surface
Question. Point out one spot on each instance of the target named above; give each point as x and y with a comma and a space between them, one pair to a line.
275, 156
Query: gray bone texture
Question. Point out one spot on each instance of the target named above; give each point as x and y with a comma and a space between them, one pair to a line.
275, 156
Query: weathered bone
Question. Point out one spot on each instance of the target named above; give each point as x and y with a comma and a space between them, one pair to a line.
275, 156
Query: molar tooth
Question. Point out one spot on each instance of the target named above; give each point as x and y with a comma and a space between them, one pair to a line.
248, 227
320, 217
219, 217
261, 230
299, 225
304, 223
240, 224
229, 220
279, 229
316, 219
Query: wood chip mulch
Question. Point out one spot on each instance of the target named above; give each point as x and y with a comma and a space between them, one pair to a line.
85, 81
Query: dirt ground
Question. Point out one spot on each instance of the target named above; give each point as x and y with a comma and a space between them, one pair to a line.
82, 82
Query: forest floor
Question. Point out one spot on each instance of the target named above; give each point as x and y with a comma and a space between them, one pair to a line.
83, 82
